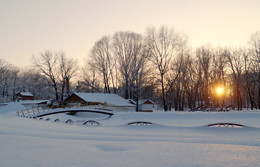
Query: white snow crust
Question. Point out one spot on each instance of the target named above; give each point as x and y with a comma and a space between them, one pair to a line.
26, 94
180, 139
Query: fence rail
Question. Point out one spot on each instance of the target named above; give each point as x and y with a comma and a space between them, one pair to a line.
37, 110
31, 112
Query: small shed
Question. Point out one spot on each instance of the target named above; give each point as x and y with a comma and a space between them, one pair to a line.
87, 99
24, 96
146, 105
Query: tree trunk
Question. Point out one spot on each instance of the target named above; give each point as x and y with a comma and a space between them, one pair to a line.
238, 97
62, 89
15, 79
56, 92
126, 88
113, 82
68, 86
259, 96
163, 94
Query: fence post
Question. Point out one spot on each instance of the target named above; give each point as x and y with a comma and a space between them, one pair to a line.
28, 112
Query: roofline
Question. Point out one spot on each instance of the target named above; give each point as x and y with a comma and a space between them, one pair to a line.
130, 105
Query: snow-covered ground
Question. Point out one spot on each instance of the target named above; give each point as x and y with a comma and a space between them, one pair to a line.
180, 139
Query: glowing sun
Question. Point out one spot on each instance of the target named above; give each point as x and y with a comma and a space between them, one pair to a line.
220, 90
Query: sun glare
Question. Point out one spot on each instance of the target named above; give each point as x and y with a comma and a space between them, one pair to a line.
220, 90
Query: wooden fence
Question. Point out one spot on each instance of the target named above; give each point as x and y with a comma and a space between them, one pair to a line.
36, 110
31, 112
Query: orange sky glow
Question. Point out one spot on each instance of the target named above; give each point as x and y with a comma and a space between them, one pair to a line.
29, 27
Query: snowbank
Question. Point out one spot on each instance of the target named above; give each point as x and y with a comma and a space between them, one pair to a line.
173, 139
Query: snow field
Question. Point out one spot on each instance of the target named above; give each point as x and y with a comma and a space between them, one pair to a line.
179, 139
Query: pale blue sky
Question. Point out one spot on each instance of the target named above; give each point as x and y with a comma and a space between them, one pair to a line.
29, 27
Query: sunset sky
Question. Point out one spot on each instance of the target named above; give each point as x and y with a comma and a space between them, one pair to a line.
29, 27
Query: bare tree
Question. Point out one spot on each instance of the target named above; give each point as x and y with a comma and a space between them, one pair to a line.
139, 74
204, 55
4, 70
235, 61
8, 77
190, 82
177, 78
57, 68
127, 48
103, 60
163, 45
219, 63
46, 63
176, 83
91, 82
249, 78
68, 69
32, 81
255, 52
218, 76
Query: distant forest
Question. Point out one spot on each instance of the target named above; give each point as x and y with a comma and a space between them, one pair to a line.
158, 65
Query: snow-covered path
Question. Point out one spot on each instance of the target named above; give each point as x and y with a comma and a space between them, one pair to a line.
175, 139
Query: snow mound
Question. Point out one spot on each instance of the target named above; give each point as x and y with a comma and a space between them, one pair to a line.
152, 139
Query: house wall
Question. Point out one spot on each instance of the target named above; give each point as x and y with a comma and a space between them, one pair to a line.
130, 108
146, 107
75, 100
27, 97
72, 104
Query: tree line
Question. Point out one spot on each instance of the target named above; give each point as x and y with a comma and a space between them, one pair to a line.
159, 65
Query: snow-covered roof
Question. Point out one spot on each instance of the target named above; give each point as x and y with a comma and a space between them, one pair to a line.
28, 102
145, 100
131, 101
26, 94
111, 99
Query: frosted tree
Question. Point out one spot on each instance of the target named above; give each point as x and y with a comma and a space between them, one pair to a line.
46, 64
8, 76
128, 50
103, 60
32, 81
57, 68
91, 81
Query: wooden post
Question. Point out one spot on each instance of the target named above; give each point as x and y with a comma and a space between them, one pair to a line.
28, 112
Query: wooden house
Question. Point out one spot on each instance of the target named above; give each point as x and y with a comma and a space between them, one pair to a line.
92, 99
24, 96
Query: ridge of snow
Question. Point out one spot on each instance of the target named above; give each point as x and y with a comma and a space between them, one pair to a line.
26, 94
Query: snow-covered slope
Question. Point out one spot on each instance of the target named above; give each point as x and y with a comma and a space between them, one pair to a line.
11, 108
174, 139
